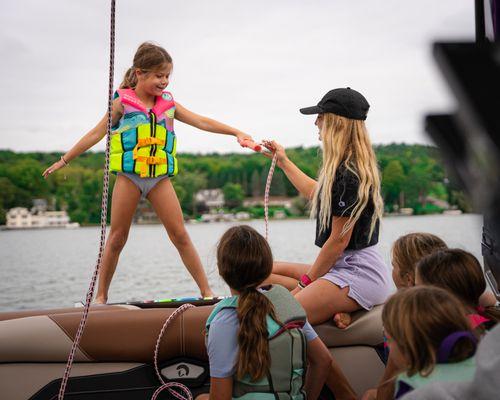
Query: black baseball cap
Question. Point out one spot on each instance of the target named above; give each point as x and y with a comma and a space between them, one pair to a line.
345, 102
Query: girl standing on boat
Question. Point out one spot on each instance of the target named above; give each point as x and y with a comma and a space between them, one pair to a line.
348, 274
143, 155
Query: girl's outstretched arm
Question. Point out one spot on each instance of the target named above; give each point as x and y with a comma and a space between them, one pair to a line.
207, 124
88, 140
302, 182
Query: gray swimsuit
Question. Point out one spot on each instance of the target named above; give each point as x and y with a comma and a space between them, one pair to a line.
143, 184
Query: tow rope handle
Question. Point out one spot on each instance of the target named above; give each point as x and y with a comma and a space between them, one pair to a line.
250, 144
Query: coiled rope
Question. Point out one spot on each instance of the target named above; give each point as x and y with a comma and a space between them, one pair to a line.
170, 385
104, 212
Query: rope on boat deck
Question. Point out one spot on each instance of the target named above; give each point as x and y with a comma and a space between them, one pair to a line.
104, 212
170, 385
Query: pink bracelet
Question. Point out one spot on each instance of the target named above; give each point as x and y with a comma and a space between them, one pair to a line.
305, 280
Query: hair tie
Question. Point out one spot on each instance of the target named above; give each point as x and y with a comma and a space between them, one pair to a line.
449, 342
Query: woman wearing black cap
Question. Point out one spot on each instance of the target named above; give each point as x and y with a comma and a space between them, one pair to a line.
348, 273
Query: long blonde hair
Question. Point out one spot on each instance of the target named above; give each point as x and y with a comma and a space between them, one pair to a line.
346, 142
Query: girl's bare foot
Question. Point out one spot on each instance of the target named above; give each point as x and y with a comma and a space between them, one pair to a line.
207, 293
100, 300
342, 320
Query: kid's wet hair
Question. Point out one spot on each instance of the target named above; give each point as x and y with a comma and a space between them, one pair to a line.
245, 260
459, 272
148, 57
408, 249
418, 319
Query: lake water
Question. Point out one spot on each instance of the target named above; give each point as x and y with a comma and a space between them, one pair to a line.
52, 268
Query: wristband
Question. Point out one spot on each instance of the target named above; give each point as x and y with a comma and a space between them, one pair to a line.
305, 280
64, 161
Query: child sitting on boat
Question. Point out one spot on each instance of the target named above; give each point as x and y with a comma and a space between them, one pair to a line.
256, 338
460, 273
407, 250
429, 337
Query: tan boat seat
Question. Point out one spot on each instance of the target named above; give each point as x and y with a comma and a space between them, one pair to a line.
365, 329
129, 335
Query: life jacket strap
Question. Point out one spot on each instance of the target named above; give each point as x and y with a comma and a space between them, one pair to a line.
146, 161
149, 141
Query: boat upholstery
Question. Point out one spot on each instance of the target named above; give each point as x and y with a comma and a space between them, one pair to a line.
129, 335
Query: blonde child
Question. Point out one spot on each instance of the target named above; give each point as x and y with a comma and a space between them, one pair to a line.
407, 251
143, 155
429, 337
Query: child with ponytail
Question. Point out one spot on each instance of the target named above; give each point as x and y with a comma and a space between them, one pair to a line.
460, 273
429, 337
257, 338
406, 251
143, 155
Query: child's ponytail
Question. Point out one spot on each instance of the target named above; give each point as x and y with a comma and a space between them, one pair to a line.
148, 57
254, 358
129, 79
245, 260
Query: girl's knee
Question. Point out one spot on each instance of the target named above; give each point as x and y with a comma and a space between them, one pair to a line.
117, 240
179, 237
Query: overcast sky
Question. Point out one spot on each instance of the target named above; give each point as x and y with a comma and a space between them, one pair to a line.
251, 64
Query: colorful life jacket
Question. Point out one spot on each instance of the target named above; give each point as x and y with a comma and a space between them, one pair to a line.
287, 348
143, 142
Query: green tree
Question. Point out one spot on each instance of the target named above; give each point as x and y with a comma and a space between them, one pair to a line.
393, 180
256, 187
233, 195
190, 182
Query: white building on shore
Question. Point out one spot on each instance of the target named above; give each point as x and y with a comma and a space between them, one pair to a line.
22, 218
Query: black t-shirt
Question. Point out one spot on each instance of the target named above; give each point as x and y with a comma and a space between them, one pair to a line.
344, 197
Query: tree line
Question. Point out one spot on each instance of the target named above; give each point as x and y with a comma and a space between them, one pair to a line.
411, 176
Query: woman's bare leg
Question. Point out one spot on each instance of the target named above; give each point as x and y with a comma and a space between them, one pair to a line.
124, 201
288, 274
164, 201
322, 299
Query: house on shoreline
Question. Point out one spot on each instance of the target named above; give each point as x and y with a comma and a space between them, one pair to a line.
38, 217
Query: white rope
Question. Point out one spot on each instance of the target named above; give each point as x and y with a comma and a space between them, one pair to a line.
104, 214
